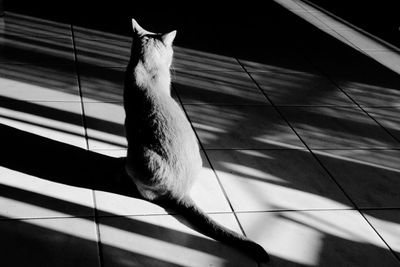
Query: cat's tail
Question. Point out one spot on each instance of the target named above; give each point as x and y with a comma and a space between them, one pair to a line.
207, 226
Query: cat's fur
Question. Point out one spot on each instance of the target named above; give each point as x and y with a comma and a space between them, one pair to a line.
163, 154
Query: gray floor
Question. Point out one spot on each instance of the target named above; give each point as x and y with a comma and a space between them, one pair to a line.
301, 148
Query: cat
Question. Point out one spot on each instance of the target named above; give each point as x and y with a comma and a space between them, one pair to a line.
163, 157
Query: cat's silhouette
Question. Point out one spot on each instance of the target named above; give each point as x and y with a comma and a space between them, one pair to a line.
163, 156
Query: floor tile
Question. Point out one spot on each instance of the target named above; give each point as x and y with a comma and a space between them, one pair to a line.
23, 25
241, 127
388, 118
274, 60
102, 52
317, 238
60, 121
356, 73
164, 241
262, 180
93, 34
36, 49
28, 40
386, 223
186, 59
105, 125
27, 196
49, 242
337, 128
370, 95
38, 82
105, 84
102, 84
300, 88
217, 87
369, 177
206, 192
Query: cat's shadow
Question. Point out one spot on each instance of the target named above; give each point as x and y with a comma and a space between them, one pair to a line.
62, 163
70, 165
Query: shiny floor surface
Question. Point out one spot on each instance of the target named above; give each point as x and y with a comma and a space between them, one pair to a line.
300, 142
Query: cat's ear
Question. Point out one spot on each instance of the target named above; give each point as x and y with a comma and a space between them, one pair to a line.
168, 38
137, 28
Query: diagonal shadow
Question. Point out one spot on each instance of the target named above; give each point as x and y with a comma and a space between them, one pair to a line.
62, 163
23, 155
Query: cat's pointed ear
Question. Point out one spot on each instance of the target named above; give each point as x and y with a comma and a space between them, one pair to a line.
168, 38
136, 27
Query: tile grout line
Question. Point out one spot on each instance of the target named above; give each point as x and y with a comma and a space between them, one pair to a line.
317, 159
211, 213
79, 87
380, 125
301, 139
96, 217
355, 102
380, 236
332, 80
209, 162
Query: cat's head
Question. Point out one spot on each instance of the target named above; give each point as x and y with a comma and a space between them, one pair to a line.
153, 49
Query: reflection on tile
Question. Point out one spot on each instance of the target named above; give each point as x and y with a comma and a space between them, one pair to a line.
388, 118
29, 40
100, 84
387, 223
206, 192
241, 127
102, 52
370, 177
36, 50
158, 240
352, 71
22, 25
186, 59
60, 121
105, 125
49, 242
38, 82
92, 34
26, 196
317, 238
369, 95
300, 88
285, 61
337, 128
275, 180
217, 87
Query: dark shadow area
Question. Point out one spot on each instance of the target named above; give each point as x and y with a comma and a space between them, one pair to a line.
380, 19
338, 251
270, 41
27, 244
70, 165
227, 121
58, 115
238, 30
78, 167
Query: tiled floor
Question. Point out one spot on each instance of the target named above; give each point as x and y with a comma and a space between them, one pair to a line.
300, 143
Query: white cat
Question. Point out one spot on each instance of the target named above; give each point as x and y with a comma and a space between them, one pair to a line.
163, 154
